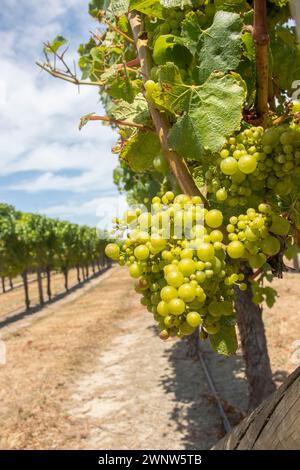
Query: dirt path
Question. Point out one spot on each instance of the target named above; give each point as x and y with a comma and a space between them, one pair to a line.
145, 394
93, 375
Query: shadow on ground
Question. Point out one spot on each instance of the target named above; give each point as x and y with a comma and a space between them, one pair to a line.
195, 412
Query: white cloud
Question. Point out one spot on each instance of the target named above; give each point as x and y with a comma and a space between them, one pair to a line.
41, 148
104, 209
98, 180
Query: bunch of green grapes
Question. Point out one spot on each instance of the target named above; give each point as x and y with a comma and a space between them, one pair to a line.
256, 165
258, 235
172, 23
187, 282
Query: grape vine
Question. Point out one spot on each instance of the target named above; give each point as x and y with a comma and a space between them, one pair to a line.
204, 118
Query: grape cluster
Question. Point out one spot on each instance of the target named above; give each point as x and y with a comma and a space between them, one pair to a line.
189, 281
256, 235
184, 282
256, 165
172, 23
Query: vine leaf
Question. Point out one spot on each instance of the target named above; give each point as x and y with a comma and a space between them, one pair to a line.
185, 138
148, 7
176, 3
190, 31
214, 112
53, 46
220, 45
133, 112
286, 59
176, 95
119, 7
225, 341
230, 5
140, 150
84, 120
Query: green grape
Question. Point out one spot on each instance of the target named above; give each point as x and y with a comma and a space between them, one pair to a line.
236, 249
229, 166
214, 218
135, 270
216, 236
243, 286
280, 226
162, 308
141, 252
215, 308
168, 293
270, 245
112, 251
168, 321
174, 278
205, 252
187, 266
186, 253
160, 164
221, 195
176, 306
164, 335
247, 164
193, 319
187, 292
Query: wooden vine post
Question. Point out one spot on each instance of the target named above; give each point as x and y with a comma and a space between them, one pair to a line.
274, 425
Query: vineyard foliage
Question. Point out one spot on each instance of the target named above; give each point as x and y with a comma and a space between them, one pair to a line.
35, 243
179, 80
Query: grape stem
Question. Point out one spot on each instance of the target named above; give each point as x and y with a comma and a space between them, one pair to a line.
119, 122
256, 273
261, 40
117, 30
177, 164
132, 63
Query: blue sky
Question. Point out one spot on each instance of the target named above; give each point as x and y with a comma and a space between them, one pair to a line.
46, 164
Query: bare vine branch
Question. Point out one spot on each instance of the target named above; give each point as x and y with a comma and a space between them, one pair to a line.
117, 30
176, 162
119, 122
65, 76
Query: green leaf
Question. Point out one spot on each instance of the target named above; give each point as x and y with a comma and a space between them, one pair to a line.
137, 111
96, 5
119, 7
184, 137
176, 3
249, 47
270, 296
190, 31
231, 5
225, 341
175, 95
214, 112
53, 46
148, 7
286, 60
140, 150
220, 45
